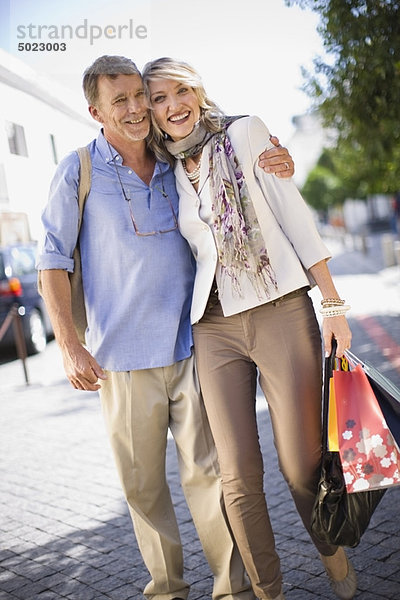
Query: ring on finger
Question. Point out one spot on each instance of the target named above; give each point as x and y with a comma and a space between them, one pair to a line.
287, 165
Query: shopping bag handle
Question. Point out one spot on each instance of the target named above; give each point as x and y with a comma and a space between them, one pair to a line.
328, 372
330, 360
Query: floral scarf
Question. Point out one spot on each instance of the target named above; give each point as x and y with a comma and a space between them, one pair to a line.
238, 237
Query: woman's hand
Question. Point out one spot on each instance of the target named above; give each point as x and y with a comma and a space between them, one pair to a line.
338, 328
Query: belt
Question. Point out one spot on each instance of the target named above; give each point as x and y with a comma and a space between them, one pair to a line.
213, 299
299, 292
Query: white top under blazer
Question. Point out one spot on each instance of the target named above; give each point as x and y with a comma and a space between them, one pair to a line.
291, 237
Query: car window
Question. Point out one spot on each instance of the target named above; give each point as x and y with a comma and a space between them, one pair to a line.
22, 261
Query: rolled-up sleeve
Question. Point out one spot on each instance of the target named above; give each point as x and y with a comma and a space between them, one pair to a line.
286, 202
60, 218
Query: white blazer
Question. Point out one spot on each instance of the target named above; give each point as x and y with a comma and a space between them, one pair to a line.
291, 238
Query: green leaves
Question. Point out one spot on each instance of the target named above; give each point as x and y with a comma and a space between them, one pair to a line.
356, 88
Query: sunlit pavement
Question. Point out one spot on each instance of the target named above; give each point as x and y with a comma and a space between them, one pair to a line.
64, 527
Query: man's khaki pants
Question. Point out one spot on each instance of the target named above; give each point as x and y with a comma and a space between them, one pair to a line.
139, 407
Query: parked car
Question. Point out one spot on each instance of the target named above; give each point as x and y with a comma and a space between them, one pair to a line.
18, 285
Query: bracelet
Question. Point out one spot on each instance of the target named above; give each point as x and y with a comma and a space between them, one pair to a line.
334, 311
332, 302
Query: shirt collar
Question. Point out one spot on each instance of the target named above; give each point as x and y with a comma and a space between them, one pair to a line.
103, 148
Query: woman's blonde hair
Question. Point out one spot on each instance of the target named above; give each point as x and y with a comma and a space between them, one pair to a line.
211, 116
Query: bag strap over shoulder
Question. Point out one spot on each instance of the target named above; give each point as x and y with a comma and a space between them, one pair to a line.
85, 179
75, 278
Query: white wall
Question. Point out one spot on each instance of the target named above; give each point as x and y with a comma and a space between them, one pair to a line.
28, 178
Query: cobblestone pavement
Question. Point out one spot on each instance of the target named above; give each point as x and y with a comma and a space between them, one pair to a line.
64, 527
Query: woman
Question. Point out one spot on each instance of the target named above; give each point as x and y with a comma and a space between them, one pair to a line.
257, 253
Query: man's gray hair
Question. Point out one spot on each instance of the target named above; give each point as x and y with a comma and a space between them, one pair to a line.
107, 66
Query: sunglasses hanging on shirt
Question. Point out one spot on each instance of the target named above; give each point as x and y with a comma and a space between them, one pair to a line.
127, 196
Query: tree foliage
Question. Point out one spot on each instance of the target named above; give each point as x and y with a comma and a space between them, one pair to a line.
356, 87
324, 186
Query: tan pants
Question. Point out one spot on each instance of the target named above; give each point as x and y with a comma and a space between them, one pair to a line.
139, 407
283, 341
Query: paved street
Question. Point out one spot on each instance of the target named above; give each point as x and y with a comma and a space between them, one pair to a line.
64, 527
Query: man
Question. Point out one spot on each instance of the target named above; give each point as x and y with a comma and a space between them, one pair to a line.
137, 274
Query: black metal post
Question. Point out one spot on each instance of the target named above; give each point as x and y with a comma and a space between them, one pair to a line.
20, 341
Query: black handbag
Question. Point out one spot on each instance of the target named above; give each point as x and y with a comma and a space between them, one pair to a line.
339, 518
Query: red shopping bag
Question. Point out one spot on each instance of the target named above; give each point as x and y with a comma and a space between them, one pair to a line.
369, 455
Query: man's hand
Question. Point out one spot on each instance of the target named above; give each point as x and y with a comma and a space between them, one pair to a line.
277, 160
82, 370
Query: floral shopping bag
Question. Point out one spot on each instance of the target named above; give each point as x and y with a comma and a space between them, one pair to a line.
369, 455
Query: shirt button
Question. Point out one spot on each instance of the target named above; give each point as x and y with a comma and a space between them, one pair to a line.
130, 172
205, 227
197, 203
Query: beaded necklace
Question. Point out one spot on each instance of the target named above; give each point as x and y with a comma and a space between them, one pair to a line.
193, 176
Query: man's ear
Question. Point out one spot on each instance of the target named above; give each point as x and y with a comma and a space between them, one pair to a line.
95, 113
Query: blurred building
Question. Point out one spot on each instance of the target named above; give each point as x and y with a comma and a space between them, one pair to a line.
40, 122
306, 144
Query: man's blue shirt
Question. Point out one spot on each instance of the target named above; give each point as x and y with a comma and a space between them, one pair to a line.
137, 289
